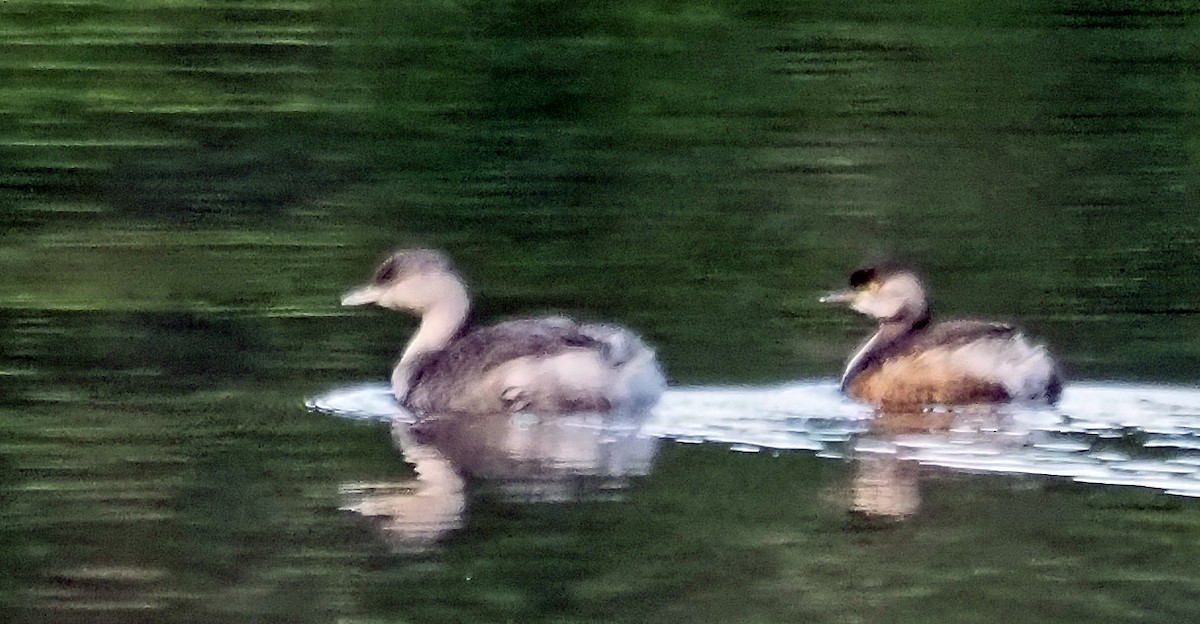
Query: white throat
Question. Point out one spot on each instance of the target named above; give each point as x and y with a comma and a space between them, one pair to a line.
439, 323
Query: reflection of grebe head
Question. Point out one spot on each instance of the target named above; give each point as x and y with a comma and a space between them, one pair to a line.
412, 279
884, 293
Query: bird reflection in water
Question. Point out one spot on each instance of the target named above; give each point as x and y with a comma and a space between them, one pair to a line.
885, 485
524, 457
412, 514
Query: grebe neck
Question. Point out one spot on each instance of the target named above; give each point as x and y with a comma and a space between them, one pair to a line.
889, 339
440, 324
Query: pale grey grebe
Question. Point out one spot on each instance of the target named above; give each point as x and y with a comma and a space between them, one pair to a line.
546, 365
911, 362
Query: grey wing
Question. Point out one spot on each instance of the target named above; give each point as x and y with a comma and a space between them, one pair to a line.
466, 361
488, 347
525, 337
952, 333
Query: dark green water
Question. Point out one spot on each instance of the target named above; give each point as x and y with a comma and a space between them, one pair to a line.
187, 187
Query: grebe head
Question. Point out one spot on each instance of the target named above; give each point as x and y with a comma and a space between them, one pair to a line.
884, 293
416, 280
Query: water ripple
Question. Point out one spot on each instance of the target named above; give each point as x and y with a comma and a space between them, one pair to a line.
1121, 434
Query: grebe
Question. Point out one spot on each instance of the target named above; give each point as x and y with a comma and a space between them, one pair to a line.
911, 362
547, 365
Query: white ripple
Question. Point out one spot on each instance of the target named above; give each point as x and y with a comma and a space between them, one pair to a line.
1067, 441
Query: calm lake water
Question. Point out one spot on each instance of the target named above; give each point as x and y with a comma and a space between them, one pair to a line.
192, 429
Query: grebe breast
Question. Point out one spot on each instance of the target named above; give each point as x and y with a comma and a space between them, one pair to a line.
961, 362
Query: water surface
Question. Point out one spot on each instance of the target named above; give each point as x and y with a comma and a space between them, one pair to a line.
1104, 433
188, 187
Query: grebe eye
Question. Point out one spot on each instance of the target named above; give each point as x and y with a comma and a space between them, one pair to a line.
387, 271
861, 278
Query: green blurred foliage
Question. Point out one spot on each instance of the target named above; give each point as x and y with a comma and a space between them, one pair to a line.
701, 170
